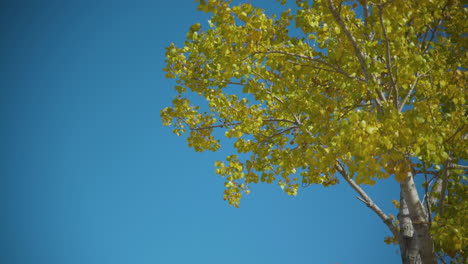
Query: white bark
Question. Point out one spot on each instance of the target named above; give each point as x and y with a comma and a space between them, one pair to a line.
422, 239
415, 240
408, 247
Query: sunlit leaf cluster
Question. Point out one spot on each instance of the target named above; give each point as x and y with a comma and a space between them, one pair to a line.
377, 87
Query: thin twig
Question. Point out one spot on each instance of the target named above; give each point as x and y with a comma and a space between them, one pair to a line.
454, 134
423, 43
362, 200
278, 133
225, 82
351, 108
412, 87
215, 126
308, 58
425, 48
441, 258
427, 172
433, 34
238, 123
279, 120
337, 70
427, 194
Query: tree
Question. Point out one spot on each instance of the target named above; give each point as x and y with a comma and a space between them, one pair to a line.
356, 90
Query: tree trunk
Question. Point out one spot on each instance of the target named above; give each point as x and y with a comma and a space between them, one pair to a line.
417, 246
408, 247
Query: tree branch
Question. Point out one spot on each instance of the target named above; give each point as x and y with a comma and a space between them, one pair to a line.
238, 123
441, 258
409, 92
367, 200
423, 42
365, 8
279, 133
351, 38
425, 48
425, 172
388, 57
225, 82
454, 134
334, 68
357, 50
458, 166
443, 189
215, 126
433, 34
279, 120
436, 188
427, 194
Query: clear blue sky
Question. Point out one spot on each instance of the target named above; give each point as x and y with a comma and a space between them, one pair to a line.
90, 175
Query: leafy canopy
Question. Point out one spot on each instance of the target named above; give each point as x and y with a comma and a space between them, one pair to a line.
377, 88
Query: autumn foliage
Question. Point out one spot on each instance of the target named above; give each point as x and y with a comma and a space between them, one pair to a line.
357, 90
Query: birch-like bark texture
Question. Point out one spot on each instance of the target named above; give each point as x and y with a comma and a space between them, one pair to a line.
421, 232
408, 248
